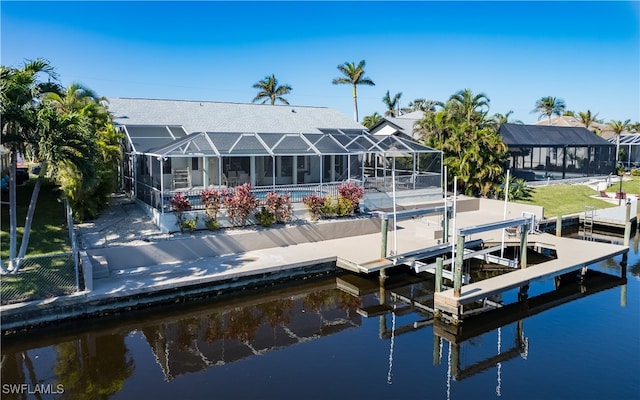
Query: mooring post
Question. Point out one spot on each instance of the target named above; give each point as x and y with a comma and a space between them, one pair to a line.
439, 263
457, 274
436, 349
523, 245
384, 231
627, 223
559, 226
445, 226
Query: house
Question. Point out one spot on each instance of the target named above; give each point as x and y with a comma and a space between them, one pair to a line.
541, 152
399, 126
603, 130
189, 146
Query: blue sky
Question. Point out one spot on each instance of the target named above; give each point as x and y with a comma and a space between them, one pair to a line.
587, 53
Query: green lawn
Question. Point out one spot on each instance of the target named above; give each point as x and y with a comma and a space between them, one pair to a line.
49, 233
571, 199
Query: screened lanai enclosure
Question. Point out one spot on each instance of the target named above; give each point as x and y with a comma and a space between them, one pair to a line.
629, 150
295, 163
540, 152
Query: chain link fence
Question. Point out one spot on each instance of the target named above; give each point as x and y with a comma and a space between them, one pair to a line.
41, 277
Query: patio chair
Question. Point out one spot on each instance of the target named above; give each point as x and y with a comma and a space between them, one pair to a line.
605, 195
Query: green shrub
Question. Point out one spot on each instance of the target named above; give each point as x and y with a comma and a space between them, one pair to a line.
189, 224
265, 217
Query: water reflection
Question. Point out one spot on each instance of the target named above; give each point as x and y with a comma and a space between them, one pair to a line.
91, 359
225, 335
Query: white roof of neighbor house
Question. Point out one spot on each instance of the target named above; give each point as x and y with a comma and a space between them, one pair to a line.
209, 116
401, 124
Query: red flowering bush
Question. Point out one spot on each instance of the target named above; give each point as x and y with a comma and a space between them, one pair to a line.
212, 202
240, 203
180, 205
280, 206
315, 205
349, 196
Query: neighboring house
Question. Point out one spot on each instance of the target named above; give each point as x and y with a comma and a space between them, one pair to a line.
602, 130
399, 126
541, 152
188, 146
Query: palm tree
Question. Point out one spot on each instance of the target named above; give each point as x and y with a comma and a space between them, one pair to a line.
471, 104
63, 138
548, 106
393, 104
618, 127
499, 119
269, 90
420, 104
371, 120
587, 118
19, 91
353, 75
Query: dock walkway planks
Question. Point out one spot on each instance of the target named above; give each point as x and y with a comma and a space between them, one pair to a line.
572, 254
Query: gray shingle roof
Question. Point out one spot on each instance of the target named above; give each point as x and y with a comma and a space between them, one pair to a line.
201, 116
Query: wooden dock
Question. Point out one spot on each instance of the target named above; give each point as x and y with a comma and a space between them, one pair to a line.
572, 255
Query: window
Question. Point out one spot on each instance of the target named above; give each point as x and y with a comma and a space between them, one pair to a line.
194, 163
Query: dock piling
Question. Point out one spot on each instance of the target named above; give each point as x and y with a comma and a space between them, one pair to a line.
627, 223
384, 231
457, 273
439, 264
559, 226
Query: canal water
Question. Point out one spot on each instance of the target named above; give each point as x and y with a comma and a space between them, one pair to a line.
335, 338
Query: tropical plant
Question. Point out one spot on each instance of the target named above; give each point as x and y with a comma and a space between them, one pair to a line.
354, 76
618, 127
393, 104
500, 119
371, 120
180, 204
19, 91
269, 90
314, 204
549, 106
472, 149
265, 217
420, 104
471, 105
587, 118
240, 204
189, 224
352, 193
212, 202
280, 206
89, 197
518, 189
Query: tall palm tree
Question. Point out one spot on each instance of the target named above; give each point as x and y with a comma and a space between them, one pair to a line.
353, 75
371, 120
587, 118
471, 104
20, 89
393, 104
269, 90
618, 127
549, 106
62, 138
